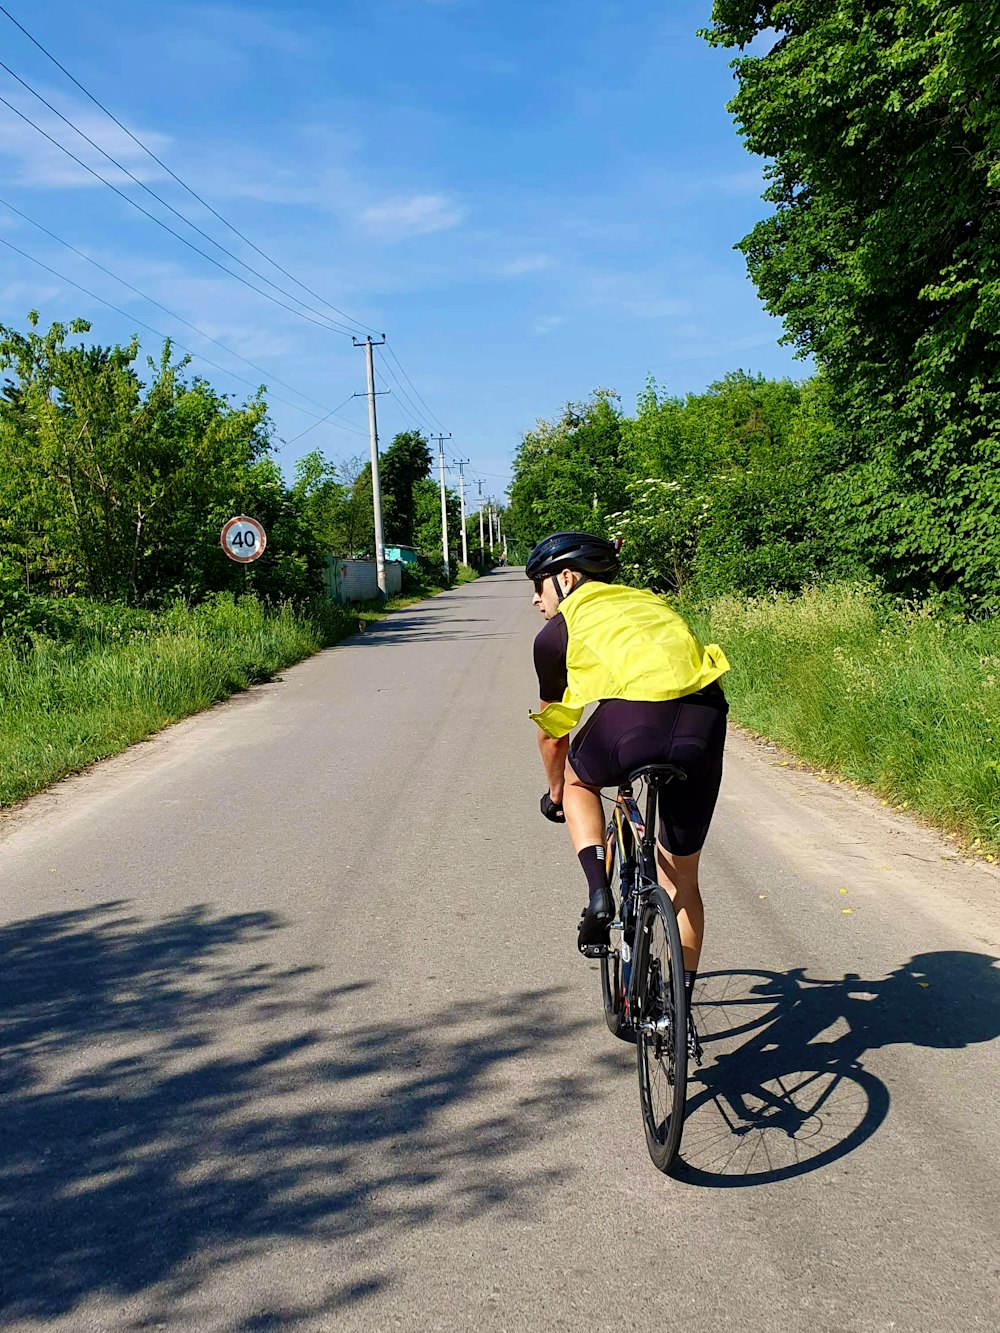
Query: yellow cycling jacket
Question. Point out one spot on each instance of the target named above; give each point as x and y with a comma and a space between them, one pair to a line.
625, 643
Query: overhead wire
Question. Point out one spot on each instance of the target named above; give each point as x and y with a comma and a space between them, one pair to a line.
160, 223
330, 414
190, 351
331, 324
420, 417
389, 349
184, 185
160, 306
166, 203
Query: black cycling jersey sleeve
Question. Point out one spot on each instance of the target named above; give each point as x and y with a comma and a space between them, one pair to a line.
550, 659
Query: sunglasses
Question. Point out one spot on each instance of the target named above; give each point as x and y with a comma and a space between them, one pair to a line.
540, 583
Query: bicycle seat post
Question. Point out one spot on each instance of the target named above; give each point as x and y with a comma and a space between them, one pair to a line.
652, 798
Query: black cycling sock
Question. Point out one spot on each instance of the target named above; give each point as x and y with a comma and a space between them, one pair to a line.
592, 861
689, 980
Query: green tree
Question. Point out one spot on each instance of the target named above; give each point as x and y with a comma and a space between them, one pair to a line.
119, 489
881, 126
427, 522
406, 462
570, 472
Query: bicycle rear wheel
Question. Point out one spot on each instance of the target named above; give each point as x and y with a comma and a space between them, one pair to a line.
616, 964
661, 1029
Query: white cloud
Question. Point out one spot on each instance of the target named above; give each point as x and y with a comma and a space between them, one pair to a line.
414, 215
525, 264
42, 165
638, 295
548, 323
22, 296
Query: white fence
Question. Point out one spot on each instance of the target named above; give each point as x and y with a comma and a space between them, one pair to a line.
357, 580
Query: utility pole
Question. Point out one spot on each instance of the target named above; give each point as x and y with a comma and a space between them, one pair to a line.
490, 515
376, 486
482, 543
444, 501
461, 464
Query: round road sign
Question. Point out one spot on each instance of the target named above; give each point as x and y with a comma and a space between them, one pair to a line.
243, 539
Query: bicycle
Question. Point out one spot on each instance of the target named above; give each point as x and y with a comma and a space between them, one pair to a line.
642, 975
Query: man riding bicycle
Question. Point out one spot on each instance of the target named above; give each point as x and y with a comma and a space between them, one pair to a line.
658, 702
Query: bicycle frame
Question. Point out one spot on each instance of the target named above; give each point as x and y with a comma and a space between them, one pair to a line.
635, 832
636, 837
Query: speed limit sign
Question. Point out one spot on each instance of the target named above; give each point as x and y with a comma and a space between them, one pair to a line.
243, 539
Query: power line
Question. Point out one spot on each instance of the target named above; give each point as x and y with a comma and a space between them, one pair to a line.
419, 416
160, 200
409, 381
172, 313
320, 423
194, 194
332, 325
125, 314
160, 223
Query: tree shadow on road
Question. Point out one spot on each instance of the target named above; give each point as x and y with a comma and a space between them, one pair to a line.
795, 1095
411, 626
168, 1112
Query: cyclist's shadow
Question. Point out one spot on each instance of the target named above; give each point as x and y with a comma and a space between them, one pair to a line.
794, 1095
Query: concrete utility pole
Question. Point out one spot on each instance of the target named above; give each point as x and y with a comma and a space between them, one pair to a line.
461, 464
482, 543
444, 502
376, 486
490, 511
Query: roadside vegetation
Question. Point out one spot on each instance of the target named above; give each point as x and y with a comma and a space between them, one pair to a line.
840, 535
899, 698
82, 680
119, 612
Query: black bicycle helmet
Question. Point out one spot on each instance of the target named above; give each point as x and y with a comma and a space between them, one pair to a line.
594, 556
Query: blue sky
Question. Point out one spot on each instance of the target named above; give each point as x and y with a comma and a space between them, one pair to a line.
531, 200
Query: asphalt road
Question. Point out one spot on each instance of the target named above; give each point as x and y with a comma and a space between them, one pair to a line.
294, 1035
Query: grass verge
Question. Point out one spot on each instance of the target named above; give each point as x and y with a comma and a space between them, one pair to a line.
104, 678
897, 698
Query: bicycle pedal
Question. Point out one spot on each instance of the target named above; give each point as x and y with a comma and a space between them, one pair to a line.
594, 950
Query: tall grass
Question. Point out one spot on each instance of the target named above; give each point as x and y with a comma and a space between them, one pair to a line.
65, 703
82, 680
899, 698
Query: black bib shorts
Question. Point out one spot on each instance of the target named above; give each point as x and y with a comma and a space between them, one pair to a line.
624, 734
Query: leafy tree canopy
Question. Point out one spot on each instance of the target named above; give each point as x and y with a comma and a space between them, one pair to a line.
881, 126
119, 489
406, 461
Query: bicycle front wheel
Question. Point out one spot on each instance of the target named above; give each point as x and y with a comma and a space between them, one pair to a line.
661, 1029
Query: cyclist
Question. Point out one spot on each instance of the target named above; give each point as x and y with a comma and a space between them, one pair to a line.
658, 701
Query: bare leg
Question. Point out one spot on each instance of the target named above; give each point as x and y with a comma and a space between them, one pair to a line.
584, 812
679, 876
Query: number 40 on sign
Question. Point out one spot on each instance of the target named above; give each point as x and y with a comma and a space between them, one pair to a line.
243, 539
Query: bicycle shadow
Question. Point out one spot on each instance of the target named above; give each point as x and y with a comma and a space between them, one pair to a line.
795, 1095
173, 1110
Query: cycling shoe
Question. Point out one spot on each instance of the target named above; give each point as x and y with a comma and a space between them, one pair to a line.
594, 922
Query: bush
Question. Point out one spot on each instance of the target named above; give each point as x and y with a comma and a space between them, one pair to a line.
898, 696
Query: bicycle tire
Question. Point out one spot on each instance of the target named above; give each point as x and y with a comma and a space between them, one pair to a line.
662, 1053
614, 980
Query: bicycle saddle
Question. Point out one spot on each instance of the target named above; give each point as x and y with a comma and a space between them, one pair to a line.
664, 772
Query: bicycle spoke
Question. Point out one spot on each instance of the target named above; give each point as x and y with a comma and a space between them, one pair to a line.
662, 1029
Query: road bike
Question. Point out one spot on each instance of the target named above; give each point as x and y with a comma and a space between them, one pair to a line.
642, 968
